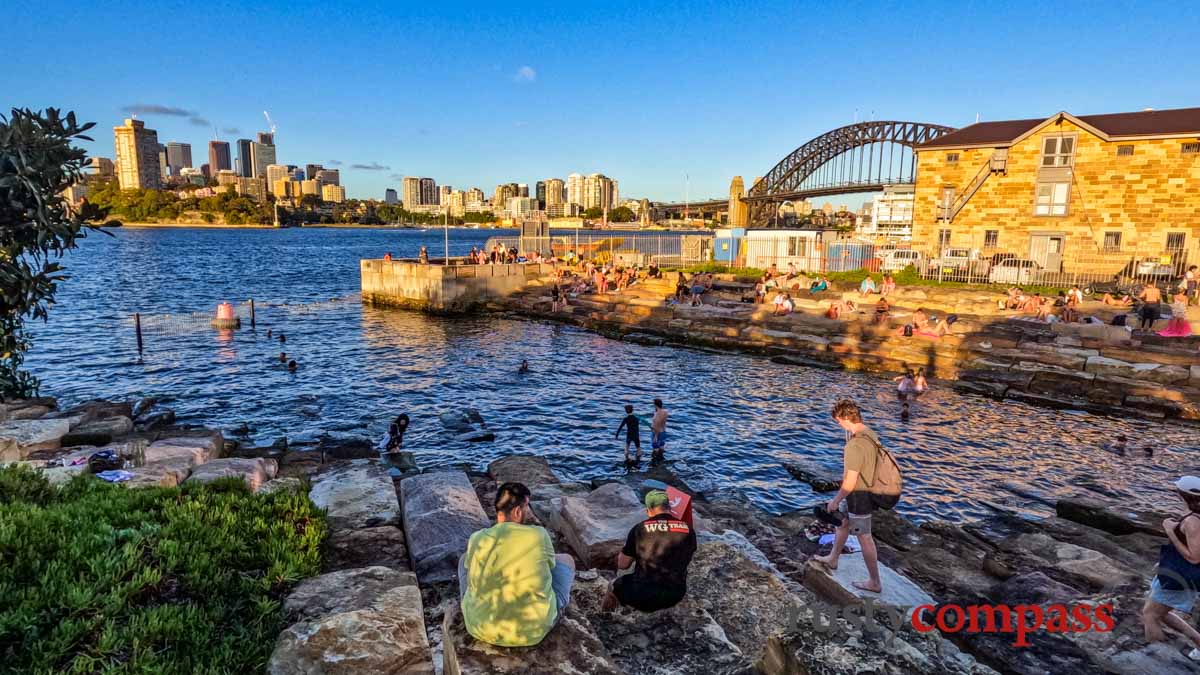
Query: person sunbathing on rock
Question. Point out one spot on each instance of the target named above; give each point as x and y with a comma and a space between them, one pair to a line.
512, 588
659, 549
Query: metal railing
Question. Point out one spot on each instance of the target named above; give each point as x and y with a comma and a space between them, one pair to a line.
625, 248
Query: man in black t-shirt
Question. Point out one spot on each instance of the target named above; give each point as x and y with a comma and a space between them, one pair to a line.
663, 548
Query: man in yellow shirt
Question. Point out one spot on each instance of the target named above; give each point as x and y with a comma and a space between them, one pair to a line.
511, 585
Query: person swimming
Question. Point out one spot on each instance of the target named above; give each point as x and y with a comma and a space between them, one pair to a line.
282, 338
283, 357
524, 367
293, 366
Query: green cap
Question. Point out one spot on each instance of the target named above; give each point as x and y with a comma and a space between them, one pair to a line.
656, 498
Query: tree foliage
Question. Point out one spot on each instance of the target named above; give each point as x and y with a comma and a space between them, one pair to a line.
37, 162
622, 214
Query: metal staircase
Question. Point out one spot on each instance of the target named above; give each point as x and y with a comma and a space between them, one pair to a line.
997, 163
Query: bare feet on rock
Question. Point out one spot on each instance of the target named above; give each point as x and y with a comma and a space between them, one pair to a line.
868, 586
825, 561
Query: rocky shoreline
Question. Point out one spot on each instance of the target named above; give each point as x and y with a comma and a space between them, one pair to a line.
1094, 367
387, 598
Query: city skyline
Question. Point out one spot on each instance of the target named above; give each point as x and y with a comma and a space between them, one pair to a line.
672, 115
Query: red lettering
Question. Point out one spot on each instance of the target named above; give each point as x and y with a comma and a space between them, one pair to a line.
1024, 627
917, 624
1083, 618
1056, 621
990, 612
1104, 618
941, 619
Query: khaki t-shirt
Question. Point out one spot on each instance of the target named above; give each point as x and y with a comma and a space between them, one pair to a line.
860, 455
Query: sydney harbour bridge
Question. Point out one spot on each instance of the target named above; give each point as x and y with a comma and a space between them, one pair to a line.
861, 157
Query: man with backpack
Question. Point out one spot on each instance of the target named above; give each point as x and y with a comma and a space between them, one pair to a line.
870, 480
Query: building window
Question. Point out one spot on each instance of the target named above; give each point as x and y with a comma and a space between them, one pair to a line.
797, 247
1052, 199
1058, 150
1175, 241
991, 238
1124, 150
1112, 242
943, 239
1191, 148
952, 158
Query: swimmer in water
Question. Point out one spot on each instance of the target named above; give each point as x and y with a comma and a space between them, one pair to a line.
282, 338
920, 385
906, 385
524, 367
292, 366
1119, 447
283, 357
268, 333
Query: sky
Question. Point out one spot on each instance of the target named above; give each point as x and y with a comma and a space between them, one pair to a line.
670, 98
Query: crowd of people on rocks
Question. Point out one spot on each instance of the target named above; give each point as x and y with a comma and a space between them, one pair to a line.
1143, 305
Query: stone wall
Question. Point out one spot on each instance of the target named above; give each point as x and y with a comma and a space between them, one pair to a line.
1090, 366
1144, 196
441, 288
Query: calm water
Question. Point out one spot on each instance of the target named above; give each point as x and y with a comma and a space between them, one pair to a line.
735, 419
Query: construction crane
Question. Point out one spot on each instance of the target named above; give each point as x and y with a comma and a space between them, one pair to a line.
269, 122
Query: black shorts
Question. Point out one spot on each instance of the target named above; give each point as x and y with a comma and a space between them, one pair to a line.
645, 595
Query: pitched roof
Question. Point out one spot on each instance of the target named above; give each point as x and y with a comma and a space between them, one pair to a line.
1177, 122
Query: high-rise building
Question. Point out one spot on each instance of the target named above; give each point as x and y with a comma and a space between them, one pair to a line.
739, 211
390, 196
179, 156
266, 137
504, 192
254, 188
310, 187
599, 191
245, 167
575, 189
329, 177
310, 170
429, 193
455, 203
206, 169
137, 156
102, 166
522, 190
226, 177
553, 195
474, 195
522, 207
275, 173
410, 191
333, 193
261, 156
444, 193
540, 192
218, 157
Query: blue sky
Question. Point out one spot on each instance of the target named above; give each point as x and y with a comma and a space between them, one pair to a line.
645, 92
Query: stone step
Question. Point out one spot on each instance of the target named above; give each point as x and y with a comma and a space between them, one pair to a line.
356, 494
440, 511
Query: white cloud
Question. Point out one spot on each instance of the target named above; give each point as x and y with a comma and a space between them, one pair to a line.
525, 74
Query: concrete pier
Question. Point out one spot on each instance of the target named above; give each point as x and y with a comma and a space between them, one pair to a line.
440, 289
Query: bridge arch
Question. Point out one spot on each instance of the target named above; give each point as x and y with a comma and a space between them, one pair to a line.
862, 157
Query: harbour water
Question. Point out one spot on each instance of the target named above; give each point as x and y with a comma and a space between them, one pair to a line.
735, 419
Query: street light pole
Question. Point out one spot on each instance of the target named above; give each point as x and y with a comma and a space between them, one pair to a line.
687, 186
446, 233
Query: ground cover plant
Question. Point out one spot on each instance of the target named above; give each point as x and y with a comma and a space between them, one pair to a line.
99, 578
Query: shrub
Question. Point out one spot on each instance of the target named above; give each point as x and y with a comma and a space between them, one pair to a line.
98, 578
22, 484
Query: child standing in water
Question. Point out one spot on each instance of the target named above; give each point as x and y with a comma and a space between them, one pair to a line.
920, 385
630, 425
906, 385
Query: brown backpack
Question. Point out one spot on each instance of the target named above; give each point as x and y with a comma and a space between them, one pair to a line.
889, 483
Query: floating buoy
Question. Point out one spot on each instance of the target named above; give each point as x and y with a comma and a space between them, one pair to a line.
225, 318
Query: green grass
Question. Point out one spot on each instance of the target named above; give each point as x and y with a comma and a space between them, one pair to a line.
98, 578
909, 277
717, 268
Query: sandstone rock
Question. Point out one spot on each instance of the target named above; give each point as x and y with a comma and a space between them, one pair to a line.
441, 512
355, 494
821, 479
162, 473
381, 546
1032, 588
531, 470
60, 475
255, 471
18, 438
202, 446
836, 586
98, 409
367, 620
289, 484
1081, 566
1109, 518
571, 647
29, 412
112, 426
596, 526
156, 420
